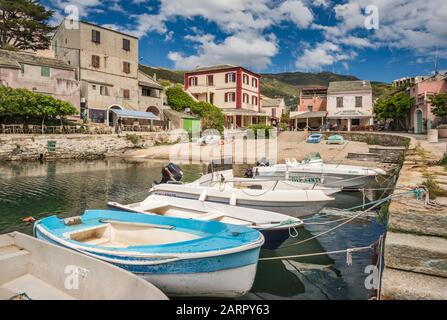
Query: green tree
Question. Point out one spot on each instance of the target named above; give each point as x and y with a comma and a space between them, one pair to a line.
394, 107
439, 102
285, 117
24, 103
178, 99
211, 116
24, 25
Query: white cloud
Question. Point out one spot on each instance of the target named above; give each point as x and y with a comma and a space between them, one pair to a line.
248, 49
324, 54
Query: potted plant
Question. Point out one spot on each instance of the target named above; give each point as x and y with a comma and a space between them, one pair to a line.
442, 130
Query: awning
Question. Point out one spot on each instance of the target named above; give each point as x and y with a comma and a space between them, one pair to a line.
310, 115
244, 112
135, 114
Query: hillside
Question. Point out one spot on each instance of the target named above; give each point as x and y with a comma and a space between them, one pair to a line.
284, 85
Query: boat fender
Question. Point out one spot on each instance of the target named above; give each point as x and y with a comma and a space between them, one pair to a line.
233, 199
73, 221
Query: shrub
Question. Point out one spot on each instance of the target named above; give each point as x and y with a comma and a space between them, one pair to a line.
261, 127
134, 138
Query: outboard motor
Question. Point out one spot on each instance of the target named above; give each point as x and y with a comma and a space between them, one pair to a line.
263, 163
249, 173
171, 173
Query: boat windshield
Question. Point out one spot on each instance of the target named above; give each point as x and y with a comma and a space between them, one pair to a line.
313, 157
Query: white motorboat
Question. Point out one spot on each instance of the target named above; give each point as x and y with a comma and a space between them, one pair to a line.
313, 169
275, 227
211, 187
32, 269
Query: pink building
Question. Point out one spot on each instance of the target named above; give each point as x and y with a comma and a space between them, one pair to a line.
421, 117
313, 99
274, 108
39, 74
236, 90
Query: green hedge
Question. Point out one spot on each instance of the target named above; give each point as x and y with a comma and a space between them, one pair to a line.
259, 127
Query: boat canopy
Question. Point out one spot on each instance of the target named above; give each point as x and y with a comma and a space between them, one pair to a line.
135, 114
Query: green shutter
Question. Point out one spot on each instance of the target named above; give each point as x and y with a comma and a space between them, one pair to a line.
45, 71
22, 68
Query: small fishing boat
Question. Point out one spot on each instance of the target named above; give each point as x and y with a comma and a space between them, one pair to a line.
275, 227
182, 257
32, 269
313, 169
315, 138
212, 188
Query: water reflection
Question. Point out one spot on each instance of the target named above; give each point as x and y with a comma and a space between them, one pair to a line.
67, 188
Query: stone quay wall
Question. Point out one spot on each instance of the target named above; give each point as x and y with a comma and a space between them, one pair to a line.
77, 146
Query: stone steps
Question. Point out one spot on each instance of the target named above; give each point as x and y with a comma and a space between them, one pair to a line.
403, 285
421, 254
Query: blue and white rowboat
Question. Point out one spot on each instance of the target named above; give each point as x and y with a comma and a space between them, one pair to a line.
182, 257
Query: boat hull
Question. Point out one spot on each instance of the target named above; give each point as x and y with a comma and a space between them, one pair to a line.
214, 275
294, 209
332, 180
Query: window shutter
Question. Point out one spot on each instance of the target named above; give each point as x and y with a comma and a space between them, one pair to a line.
226, 78
226, 97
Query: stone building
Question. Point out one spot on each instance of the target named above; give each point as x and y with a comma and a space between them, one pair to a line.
107, 66
39, 74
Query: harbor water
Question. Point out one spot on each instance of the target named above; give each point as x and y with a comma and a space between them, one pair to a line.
67, 188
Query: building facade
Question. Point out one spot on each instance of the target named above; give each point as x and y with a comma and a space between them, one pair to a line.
421, 117
235, 90
274, 108
106, 62
406, 82
39, 74
313, 99
350, 105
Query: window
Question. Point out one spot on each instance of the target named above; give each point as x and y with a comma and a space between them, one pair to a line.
273, 113
193, 81
355, 122
147, 92
210, 80
104, 91
339, 102
254, 100
45, 71
246, 79
126, 94
310, 108
126, 44
94, 87
254, 82
126, 67
246, 98
22, 68
96, 62
230, 97
358, 102
96, 36
230, 77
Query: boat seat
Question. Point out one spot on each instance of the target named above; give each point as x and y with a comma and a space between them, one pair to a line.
34, 288
14, 262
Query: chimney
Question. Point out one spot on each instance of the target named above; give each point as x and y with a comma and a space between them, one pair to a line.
364, 83
155, 76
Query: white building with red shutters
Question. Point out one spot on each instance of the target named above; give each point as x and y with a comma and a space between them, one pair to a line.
234, 89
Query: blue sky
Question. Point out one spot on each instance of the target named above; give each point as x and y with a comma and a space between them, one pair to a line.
377, 40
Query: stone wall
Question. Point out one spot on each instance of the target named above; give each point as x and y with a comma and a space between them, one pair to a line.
374, 138
416, 241
35, 147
